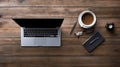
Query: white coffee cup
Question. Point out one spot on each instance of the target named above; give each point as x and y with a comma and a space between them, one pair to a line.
82, 23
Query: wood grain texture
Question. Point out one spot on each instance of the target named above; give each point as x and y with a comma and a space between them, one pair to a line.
83, 3
71, 53
101, 12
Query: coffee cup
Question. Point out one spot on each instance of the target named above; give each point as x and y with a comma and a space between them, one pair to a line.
87, 19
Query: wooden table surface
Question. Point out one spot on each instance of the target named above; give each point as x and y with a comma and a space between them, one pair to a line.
72, 53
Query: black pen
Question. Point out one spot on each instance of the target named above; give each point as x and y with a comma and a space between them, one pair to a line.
73, 28
94, 40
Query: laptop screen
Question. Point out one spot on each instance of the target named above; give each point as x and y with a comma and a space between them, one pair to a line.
39, 23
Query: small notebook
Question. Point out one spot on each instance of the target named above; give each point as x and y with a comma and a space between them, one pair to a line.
93, 42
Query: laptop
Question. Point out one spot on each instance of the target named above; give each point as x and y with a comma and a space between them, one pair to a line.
40, 32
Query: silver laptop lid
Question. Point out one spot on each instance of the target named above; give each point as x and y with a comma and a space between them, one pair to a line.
39, 22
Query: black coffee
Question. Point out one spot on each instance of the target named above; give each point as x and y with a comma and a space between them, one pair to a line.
87, 18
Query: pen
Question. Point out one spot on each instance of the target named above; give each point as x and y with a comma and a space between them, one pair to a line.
73, 28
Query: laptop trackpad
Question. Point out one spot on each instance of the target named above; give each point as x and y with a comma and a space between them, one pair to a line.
40, 41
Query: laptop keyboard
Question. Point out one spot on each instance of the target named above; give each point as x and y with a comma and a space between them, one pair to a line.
36, 32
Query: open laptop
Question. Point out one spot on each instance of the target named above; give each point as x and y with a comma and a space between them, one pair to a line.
40, 32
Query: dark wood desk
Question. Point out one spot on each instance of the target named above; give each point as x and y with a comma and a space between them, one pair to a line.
72, 53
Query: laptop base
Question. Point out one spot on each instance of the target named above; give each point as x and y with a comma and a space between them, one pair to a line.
40, 41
